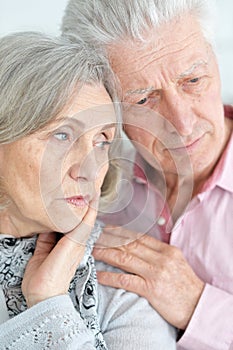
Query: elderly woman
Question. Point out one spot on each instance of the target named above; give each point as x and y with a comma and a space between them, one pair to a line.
57, 126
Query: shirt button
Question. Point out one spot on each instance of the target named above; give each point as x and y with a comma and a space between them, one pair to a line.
161, 221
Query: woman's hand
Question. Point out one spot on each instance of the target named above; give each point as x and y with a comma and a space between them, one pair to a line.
157, 271
53, 265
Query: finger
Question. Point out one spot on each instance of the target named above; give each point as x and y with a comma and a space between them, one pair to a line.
90, 216
45, 243
81, 233
116, 236
65, 257
154, 243
68, 252
136, 249
127, 262
131, 283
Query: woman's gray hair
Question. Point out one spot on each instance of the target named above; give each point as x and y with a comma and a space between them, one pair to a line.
39, 74
105, 22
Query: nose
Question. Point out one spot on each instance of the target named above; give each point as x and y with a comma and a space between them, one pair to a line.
177, 113
85, 168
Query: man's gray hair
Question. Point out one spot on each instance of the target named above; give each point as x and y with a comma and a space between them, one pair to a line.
39, 74
105, 22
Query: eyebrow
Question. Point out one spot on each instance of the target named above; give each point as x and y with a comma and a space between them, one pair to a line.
140, 91
81, 124
190, 70
108, 126
64, 119
182, 75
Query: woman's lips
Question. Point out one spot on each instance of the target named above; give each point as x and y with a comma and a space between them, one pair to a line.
78, 201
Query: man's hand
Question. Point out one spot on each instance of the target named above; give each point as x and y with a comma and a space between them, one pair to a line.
156, 271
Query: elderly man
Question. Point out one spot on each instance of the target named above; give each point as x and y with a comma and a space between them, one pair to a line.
182, 188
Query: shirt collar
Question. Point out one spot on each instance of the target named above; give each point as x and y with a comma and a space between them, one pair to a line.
139, 169
222, 175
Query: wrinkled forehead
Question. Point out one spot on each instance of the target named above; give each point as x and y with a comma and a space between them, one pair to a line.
91, 107
160, 44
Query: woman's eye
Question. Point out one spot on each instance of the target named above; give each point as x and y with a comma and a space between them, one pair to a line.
142, 101
102, 141
61, 136
103, 144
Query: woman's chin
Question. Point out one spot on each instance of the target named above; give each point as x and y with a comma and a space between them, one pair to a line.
66, 218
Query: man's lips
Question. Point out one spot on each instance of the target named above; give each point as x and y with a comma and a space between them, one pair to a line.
78, 201
189, 147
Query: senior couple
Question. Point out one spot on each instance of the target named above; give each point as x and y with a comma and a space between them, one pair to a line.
164, 259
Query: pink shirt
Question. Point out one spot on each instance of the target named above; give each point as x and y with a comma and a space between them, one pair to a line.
204, 233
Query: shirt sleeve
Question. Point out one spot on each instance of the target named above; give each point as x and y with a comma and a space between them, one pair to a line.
211, 327
53, 322
129, 322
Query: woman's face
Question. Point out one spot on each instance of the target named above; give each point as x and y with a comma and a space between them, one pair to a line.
52, 176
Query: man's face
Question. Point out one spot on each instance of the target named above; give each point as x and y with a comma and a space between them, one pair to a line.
172, 98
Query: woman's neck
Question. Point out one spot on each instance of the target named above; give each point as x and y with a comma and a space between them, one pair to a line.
10, 225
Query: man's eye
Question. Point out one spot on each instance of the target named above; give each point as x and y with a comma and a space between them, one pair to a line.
142, 101
61, 136
195, 85
194, 80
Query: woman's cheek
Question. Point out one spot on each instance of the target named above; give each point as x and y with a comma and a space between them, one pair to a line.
100, 177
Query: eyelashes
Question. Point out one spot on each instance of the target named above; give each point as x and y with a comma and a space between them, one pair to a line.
142, 101
61, 136
103, 144
101, 141
191, 86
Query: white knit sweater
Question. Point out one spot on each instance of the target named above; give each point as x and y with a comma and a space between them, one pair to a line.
90, 317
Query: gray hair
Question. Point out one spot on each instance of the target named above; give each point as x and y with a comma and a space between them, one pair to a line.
104, 22
38, 76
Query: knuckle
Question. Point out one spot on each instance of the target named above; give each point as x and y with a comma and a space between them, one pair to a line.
152, 270
125, 280
135, 244
174, 253
124, 258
